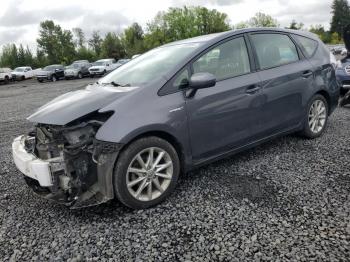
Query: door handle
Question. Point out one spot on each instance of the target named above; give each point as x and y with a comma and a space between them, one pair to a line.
253, 89
307, 73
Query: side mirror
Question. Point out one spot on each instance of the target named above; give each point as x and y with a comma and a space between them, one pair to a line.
202, 80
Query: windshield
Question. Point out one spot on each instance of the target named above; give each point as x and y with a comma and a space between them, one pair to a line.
49, 68
98, 63
19, 69
150, 66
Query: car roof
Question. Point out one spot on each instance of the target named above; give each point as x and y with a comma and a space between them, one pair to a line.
204, 39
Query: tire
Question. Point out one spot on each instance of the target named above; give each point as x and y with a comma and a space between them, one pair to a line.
23, 78
321, 120
80, 75
40, 80
6, 80
104, 72
91, 76
53, 78
128, 159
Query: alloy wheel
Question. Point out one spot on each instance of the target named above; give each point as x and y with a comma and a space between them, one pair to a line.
317, 116
149, 174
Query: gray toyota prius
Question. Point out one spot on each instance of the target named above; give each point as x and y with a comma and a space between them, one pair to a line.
176, 107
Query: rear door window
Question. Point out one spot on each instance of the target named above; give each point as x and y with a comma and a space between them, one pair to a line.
274, 50
307, 45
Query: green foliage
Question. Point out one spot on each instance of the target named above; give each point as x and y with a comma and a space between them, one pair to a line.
112, 47
79, 37
186, 22
56, 43
295, 26
341, 17
133, 40
258, 20
95, 42
262, 20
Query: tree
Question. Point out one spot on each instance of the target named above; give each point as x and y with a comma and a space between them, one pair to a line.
341, 16
79, 37
56, 43
262, 20
112, 47
84, 53
133, 40
296, 26
28, 57
9, 56
321, 33
241, 25
40, 59
95, 42
21, 56
180, 23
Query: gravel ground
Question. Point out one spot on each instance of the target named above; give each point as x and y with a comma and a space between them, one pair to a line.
284, 200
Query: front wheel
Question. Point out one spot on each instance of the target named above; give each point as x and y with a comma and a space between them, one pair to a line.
316, 118
53, 78
80, 75
146, 172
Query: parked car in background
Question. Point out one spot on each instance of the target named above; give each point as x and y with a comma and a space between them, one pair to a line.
22, 73
50, 73
81, 61
343, 75
121, 62
103, 66
198, 100
77, 70
337, 49
5, 75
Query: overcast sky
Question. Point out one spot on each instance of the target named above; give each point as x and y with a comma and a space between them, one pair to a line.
19, 19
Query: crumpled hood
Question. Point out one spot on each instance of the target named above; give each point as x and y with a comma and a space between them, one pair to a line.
73, 105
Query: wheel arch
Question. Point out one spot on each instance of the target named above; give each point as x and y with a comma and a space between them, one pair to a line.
326, 95
167, 137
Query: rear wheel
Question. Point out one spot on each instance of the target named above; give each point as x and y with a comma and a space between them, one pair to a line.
80, 75
146, 172
6, 80
53, 78
23, 78
316, 118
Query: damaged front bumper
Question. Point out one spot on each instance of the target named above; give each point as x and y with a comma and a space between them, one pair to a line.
79, 177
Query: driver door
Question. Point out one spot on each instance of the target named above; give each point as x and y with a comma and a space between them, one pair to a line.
226, 116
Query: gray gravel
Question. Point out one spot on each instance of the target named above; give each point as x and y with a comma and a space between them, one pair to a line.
284, 200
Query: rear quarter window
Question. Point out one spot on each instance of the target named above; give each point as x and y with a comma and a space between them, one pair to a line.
308, 46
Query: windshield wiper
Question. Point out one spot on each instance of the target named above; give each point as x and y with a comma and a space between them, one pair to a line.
117, 84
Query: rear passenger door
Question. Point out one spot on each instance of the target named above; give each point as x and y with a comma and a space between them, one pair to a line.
286, 77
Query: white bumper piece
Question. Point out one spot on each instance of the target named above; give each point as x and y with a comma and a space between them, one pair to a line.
30, 165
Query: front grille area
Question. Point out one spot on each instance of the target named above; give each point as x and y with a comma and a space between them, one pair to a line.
94, 69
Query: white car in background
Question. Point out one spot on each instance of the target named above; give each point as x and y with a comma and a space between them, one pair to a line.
5, 75
22, 73
103, 66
